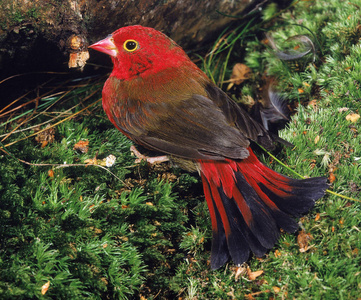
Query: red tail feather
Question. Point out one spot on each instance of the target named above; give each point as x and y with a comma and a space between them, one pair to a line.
248, 203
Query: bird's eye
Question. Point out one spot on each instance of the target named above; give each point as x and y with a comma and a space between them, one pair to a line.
130, 45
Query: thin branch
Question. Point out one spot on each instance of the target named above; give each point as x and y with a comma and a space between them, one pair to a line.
58, 166
56, 124
299, 175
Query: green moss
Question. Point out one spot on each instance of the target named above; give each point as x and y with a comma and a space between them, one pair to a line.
95, 235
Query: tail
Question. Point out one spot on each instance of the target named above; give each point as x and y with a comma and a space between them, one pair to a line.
249, 203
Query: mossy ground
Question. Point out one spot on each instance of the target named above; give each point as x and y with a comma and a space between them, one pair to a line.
144, 231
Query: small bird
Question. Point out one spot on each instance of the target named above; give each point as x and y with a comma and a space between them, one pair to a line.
161, 100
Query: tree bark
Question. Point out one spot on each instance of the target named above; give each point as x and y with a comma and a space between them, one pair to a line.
33, 34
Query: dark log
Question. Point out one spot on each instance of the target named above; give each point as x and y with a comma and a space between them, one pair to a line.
33, 34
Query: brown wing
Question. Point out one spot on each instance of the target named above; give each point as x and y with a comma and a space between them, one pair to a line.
209, 126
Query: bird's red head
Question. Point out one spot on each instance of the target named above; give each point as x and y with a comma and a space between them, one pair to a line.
140, 51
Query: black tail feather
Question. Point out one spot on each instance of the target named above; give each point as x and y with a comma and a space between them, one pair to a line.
261, 202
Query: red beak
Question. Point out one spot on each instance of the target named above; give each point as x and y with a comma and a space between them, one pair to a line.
106, 46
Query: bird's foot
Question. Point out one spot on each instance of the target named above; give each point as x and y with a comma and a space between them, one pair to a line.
151, 160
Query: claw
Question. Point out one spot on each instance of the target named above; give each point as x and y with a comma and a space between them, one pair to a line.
151, 160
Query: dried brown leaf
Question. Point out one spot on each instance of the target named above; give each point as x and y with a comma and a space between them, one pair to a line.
313, 103
46, 136
332, 177
342, 109
240, 271
45, 288
250, 296
303, 240
352, 117
91, 161
82, 146
253, 275
240, 73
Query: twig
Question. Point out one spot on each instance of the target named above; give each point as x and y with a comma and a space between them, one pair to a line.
56, 124
58, 166
299, 175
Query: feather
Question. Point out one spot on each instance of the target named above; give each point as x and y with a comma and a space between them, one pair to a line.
274, 108
307, 43
249, 203
160, 99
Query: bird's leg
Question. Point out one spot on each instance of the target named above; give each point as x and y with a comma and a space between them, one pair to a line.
151, 160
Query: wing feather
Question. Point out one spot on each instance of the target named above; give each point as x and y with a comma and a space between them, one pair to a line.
197, 121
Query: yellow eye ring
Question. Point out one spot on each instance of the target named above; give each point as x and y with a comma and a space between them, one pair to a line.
130, 45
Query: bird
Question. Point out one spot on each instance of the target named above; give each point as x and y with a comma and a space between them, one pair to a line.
158, 98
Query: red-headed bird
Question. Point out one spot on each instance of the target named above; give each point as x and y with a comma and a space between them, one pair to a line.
161, 100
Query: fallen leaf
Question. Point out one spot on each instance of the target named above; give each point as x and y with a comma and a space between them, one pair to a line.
342, 109
96, 230
91, 161
253, 275
82, 146
332, 177
353, 129
240, 73
276, 289
301, 91
303, 239
313, 103
240, 271
278, 253
46, 136
51, 173
45, 288
352, 117
250, 296
317, 138
317, 217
